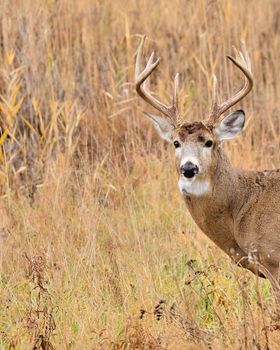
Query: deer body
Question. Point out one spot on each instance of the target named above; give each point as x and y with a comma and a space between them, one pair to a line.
238, 210
232, 214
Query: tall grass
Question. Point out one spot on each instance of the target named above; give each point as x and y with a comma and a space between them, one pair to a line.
97, 250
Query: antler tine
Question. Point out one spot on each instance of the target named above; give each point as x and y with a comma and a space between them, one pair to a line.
242, 61
140, 79
246, 55
214, 93
175, 95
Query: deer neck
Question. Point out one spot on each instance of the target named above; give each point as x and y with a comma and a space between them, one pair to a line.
215, 211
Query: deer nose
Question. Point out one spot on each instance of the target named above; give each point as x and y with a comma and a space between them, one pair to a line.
189, 170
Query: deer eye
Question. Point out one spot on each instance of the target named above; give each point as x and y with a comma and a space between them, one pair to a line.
208, 143
176, 144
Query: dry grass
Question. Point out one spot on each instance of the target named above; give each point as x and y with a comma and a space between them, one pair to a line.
97, 248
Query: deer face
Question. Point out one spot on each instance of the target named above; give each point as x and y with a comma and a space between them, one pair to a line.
196, 144
196, 148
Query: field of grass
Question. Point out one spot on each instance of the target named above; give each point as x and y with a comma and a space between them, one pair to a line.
97, 249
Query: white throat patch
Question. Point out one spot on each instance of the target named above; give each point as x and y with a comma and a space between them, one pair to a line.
194, 186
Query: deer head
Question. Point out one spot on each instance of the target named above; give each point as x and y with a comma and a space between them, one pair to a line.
196, 143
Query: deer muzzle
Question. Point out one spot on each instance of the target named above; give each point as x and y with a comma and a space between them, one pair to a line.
189, 170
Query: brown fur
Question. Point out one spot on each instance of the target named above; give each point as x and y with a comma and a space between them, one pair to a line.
241, 213
196, 131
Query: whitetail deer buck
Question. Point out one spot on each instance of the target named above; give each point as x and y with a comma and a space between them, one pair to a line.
238, 210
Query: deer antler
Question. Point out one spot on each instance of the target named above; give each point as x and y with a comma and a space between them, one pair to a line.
140, 79
242, 61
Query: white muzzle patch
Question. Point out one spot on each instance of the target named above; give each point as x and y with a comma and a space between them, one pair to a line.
195, 186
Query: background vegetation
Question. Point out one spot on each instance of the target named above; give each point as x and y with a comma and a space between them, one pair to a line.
97, 249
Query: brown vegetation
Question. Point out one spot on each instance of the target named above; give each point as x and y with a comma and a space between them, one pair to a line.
97, 249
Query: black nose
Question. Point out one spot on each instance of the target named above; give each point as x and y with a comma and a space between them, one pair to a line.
189, 170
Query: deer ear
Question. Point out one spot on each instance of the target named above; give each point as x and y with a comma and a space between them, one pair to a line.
230, 126
162, 126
